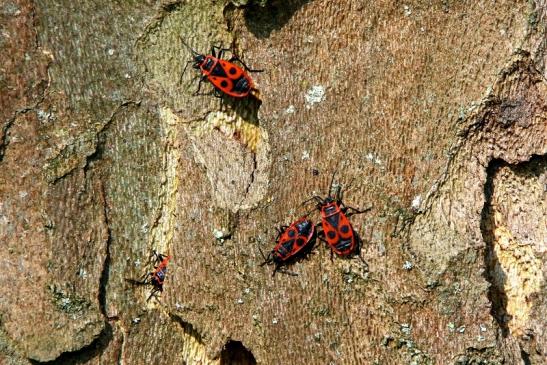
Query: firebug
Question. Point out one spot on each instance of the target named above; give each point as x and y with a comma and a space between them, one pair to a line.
225, 75
292, 241
156, 277
337, 230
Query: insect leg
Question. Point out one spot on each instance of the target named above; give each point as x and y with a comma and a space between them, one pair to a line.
158, 256
322, 239
320, 232
317, 198
235, 58
275, 269
221, 50
153, 294
217, 93
199, 85
358, 250
354, 211
267, 260
135, 282
144, 279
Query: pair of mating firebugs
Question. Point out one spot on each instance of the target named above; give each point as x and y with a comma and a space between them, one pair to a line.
296, 239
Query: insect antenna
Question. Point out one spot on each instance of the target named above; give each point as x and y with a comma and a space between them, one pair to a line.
315, 197
189, 48
331, 181
309, 212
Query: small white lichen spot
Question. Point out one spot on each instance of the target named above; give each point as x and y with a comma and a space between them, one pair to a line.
290, 110
416, 203
407, 265
406, 328
274, 321
218, 234
408, 10
373, 158
482, 327
110, 51
305, 155
240, 301
315, 95
317, 336
23, 194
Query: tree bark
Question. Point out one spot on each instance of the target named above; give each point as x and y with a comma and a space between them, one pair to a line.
434, 113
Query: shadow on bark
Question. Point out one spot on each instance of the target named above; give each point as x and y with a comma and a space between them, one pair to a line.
234, 353
494, 273
85, 354
262, 21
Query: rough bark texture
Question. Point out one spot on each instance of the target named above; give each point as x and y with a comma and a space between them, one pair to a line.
432, 112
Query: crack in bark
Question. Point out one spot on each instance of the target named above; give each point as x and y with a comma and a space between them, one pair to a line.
84, 354
4, 142
97, 153
248, 188
476, 118
105, 273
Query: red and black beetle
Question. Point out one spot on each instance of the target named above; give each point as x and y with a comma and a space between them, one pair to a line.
292, 241
225, 76
336, 227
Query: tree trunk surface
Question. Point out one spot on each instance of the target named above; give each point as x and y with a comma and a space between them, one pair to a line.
432, 113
